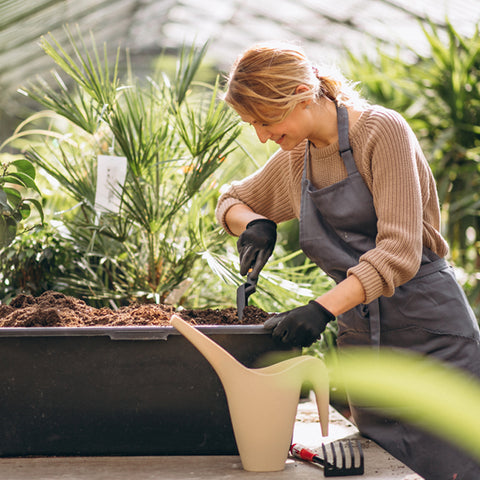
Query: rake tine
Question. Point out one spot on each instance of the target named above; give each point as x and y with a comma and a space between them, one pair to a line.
361, 467
324, 451
362, 461
332, 469
342, 451
352, 453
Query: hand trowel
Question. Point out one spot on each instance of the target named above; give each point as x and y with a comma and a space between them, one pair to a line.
243, 292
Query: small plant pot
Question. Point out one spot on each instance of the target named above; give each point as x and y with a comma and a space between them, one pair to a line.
119, 390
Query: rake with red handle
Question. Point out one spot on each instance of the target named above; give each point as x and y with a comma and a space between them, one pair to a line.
342, 464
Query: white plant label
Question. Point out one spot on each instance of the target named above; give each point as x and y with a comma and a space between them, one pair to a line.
111, 173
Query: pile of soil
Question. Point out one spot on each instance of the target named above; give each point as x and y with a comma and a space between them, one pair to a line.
54, 309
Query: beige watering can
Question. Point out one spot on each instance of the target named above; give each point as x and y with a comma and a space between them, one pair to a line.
262, 401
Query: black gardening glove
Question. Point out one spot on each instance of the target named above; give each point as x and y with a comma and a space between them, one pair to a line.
255, 245
301, 326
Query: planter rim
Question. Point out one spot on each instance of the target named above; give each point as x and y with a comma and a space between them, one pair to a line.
143, 332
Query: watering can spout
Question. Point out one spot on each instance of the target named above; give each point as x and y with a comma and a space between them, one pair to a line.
262, 402
223, 363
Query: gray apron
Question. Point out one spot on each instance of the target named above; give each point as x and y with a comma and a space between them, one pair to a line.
429, 314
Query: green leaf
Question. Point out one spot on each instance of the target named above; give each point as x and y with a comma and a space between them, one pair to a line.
37, 205
22, 179
24, 210
187, 66
14, 197
25, 167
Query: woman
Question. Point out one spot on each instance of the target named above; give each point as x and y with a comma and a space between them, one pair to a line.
355, 177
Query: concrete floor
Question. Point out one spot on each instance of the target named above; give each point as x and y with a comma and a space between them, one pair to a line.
378, 463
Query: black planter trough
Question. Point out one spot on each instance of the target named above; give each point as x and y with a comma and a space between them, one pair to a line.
118, 390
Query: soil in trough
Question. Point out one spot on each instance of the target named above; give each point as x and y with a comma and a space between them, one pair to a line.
54, 309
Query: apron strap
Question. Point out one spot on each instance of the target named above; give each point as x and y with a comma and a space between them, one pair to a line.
305, 161
344, 147
343, 141
374, 320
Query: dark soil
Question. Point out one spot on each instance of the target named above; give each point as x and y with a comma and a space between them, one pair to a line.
54, 309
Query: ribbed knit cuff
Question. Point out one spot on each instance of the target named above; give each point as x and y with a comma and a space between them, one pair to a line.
221, 213
370, 279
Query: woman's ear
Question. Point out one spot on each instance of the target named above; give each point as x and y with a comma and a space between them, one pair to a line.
302, 89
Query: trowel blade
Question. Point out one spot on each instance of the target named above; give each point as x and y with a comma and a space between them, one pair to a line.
241, 300
243, 292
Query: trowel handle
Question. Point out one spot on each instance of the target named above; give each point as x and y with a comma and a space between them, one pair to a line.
301, 452
250, 285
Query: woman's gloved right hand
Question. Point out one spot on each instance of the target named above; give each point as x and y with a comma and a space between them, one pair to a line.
255, 245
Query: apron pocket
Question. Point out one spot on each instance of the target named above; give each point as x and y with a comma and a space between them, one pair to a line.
434, 302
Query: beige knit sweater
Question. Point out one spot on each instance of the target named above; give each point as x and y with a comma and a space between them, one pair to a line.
390, 160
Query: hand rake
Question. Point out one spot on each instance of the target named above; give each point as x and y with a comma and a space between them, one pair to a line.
340, 458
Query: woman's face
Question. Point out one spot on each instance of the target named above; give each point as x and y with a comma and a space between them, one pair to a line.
288, 133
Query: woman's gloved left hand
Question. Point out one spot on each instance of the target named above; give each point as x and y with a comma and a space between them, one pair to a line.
301, 326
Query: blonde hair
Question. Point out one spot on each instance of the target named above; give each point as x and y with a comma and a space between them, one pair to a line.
263, 82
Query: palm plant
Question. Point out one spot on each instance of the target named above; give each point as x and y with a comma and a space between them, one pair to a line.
174, 136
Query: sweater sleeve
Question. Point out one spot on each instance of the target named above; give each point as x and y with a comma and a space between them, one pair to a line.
267, 191
395, 158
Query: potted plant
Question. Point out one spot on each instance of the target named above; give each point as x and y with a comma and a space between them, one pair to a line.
125, 388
